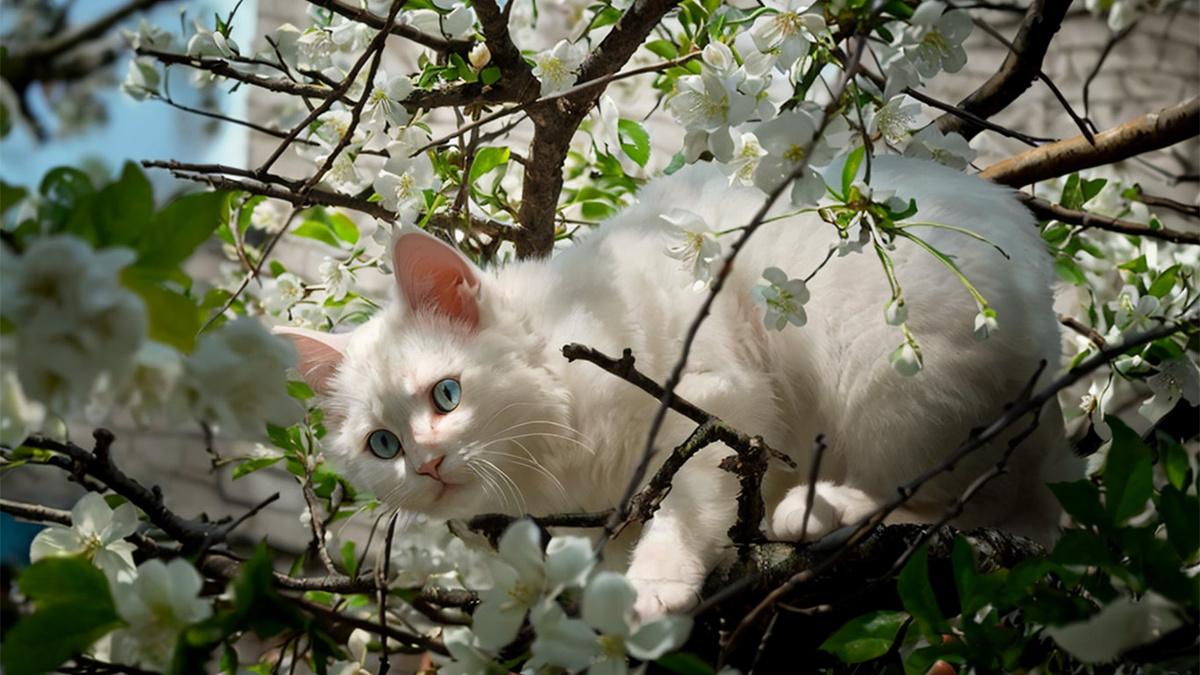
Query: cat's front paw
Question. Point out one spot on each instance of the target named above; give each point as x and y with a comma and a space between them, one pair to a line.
656, 597
833, 506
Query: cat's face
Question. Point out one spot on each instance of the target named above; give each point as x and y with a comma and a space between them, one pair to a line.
439, 404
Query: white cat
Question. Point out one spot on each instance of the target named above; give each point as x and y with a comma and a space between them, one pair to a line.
455, 400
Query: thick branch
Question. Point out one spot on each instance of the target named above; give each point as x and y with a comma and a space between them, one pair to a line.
1022, 66
1149, 132
356, 13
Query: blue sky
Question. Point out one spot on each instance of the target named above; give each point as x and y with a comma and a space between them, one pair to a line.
147, 129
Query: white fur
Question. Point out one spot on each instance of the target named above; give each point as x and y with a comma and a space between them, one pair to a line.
536, 434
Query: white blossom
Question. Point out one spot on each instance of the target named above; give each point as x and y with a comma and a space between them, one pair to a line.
142, 78
236, 378
790, 141
557, 68
156, 368
157, 606
709, 104
782, 300
282, 293
906, 360
97, 533
386, 104
1133, 310
747, 152
469, 658
949, 149
895, 119
402, 181
934, 38
148, 36
896, 312
479, 56
985, 323
206, 42
1177, 378
76, 326
455, 24
787, 30
336, 277
1120, 625
524, 577
694, 244
316, 48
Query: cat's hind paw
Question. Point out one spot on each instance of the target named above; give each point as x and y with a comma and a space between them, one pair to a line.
656, 597
833, 506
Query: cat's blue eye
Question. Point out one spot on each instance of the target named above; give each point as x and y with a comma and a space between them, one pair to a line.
446, 395
383, 444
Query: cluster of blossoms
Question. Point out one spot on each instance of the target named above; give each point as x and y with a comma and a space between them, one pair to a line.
78, 339
527, 584
156, 600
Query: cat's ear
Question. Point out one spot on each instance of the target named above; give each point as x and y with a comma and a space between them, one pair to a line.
433, 277
319, 354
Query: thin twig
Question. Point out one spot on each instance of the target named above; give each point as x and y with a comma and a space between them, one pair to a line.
1046, 210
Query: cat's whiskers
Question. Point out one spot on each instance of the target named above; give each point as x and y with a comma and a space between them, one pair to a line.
491, 488
507, 480
580, 443
534, 464
560, 425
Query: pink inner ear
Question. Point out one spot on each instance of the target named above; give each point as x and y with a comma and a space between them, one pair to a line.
436, 278
319, 353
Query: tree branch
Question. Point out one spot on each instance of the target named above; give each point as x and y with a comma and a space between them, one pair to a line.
1149, 132
1020, 68
1045, 210
357, 13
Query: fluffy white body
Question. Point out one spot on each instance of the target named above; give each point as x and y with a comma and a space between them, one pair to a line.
533, 433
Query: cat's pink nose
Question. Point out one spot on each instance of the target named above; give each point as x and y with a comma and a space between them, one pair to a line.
430, 468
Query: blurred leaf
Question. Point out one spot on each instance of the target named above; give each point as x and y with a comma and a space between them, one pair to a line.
181, 227
1128, 474
349, 561
866, 637
917, 595
1069, 270
251, 465
315, 229
685, 663
10, 196
74, 608
662, 48
1181, 514
174, 318
122, 210
850, 170
1081, 499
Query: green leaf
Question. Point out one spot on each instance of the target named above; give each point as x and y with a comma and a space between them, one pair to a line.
1164, 283
174, 318
917, 595
349, 560
251, 465
1091, 188
490, 75
300, 390
1181, 514
487, 159
1128, 472
315, 229
74, 608
966, 577
850, 170
677, 163
10, 196
121, 211
343, 227
1081, 499
1174, 461
1137, 265
1069, 270
1072, 195
662, 48
635, 141
180, 227
685, 663
865, 637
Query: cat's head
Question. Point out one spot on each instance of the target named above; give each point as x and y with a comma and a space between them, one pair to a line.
442, 404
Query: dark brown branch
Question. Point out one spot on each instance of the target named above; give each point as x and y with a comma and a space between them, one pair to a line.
410, 640
1019, 70
1150, 200
976, 120
492, 525
35, 512
1149, 132
66, 41
356, 13
224, 68
1045, 210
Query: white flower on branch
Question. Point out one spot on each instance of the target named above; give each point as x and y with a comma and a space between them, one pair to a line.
524, 577
142, 79
97, 533
454, 24
19, 416
895, 119
336, 277
236, 379
906, 359
934, 38
786, 30
76, 326
708, 104
782, 300
316, 49
386, 104
747, 152
949, 149
402, 182
1176, 379
558, 67
694, 244
1122, 624
157, 606
156, 368
206, 42
148, 36
790, 141
282, 293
